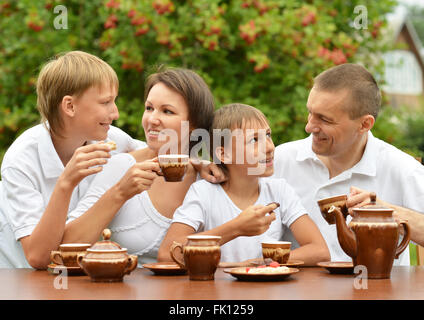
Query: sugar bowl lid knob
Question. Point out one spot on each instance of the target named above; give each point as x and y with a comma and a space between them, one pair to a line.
106, 234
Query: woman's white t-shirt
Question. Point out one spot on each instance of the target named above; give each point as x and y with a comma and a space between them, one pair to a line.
137, 226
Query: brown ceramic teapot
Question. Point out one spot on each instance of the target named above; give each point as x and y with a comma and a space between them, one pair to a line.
372, 238
106, 261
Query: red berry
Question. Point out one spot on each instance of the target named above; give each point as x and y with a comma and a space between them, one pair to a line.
112, 4
141, 31
109, 24
131, 13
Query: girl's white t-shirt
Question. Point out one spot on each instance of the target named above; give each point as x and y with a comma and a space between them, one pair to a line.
207, 206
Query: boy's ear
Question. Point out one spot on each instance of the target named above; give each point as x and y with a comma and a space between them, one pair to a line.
67, 106
220, 154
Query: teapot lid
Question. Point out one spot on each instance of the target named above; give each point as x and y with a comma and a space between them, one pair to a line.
106, 244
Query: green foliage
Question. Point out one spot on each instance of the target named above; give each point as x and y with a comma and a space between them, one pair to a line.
263, 53
404, 128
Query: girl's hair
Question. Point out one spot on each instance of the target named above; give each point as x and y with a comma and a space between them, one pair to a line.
228, 118
70, 73
193, 89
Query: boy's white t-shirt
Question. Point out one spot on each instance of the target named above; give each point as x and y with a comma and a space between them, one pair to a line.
207, 206
30, 169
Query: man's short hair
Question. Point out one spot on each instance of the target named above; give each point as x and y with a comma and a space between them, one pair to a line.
70, 73
365, 96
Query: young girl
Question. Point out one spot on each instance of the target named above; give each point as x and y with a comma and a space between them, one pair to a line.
49, 167
240, 209
139, 220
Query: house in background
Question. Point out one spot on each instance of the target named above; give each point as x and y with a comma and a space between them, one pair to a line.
404, 73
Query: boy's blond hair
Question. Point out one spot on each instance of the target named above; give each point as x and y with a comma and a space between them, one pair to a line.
228, 118
70, 73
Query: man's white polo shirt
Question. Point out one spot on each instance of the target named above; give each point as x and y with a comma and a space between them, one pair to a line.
30, 169
395, 176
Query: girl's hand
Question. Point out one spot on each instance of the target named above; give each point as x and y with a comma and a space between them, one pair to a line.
256, 219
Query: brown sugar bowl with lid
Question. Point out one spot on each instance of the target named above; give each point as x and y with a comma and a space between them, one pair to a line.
106, 261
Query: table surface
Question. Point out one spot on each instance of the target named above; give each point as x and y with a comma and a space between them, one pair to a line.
142, 284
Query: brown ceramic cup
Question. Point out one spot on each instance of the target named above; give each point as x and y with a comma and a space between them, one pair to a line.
278, 251
173, 166
202, 254
337, 201
68, 253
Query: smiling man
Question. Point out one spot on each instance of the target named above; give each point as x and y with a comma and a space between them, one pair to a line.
341, 156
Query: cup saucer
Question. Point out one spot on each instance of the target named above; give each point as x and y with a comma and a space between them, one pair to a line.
71, 271
165, 268
337, 267
292, 263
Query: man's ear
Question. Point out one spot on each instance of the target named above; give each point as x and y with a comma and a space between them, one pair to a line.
367, 122
67, 106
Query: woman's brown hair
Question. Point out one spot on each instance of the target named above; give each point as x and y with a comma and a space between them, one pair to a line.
193, 89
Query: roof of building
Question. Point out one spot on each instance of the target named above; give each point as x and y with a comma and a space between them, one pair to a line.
398, 20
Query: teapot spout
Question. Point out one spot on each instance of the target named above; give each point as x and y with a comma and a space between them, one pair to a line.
345, 235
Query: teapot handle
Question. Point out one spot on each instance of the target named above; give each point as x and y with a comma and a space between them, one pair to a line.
406, 237
132, 264
172, 249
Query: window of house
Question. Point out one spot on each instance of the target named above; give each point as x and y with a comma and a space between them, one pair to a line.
402, 73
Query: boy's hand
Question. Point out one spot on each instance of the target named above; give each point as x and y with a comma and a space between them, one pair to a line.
256, 219
208, 171
138, 178
85, 161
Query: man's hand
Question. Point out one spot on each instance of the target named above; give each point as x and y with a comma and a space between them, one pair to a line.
357, 198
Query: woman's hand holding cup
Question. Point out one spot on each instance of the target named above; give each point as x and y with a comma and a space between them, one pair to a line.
138, 178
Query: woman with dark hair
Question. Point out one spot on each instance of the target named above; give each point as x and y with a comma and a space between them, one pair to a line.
129, 196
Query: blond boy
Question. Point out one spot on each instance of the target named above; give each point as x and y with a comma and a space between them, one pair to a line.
49, 167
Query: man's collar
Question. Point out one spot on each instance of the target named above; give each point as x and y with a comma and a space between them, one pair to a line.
305, 151
368, 163
366, 166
